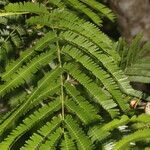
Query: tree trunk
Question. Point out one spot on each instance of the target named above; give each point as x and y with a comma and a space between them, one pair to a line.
133, 17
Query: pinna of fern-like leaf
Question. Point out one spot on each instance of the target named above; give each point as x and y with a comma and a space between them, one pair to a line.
26, 72
28, 123
42, 134
31, 100
28, 54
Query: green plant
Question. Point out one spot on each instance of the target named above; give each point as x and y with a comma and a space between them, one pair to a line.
135, 59
13, 36
67, 91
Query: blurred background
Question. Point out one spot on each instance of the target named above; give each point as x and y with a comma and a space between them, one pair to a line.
133, 17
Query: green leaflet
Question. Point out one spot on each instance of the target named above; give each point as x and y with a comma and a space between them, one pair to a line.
57, 3
75, 89
102, 132
136, 136
81, 101
71, 22
67, 143
29, 122
84, 116
83, 141
141, 118
107, 61
37, 139
27, 104
139, 71
28, 54
24, 74
51, 143
84, 9
27, 7
100, 96
134, 59
102, 75
100, 8
12, 38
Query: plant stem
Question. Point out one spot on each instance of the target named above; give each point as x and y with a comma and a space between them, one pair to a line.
61, 81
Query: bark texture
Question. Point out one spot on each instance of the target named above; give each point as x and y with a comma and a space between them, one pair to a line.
133, 17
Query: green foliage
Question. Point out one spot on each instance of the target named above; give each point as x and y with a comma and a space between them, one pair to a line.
135, 59
26, 7
66, 91
14, 36
27, 55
